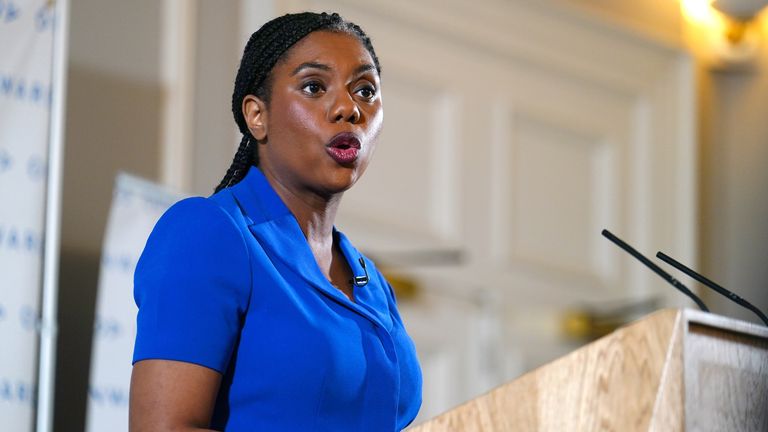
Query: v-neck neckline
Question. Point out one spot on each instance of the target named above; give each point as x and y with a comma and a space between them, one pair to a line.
349, 282
278, 231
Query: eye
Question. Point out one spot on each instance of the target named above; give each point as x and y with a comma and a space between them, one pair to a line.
312, 88
367, 92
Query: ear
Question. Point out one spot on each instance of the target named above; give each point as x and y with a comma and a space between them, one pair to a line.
255, 113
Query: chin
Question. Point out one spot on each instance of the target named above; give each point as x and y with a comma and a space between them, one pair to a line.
341, 185
342, 180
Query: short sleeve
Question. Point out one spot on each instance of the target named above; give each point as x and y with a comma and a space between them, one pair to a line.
192, 286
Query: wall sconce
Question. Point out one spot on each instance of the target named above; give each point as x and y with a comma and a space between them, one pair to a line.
724, 33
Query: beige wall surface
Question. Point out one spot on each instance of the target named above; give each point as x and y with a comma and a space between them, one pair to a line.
113, 124
659, 19
734, 178
733, 149
216, 61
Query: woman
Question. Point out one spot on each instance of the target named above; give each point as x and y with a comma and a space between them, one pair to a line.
255, 313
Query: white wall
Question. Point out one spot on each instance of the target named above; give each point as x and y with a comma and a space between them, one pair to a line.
113, 123
216, 60
734, 175
733, 143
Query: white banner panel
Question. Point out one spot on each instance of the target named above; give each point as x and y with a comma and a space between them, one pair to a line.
136, 206
26, 36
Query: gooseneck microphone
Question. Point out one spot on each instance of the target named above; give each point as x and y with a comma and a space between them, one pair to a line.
656, 269
731, 295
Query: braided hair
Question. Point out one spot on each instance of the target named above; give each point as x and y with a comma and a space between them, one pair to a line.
265, 48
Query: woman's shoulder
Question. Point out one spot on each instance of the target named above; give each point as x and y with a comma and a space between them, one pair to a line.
196, 226
210, 209
201, 215
195, 264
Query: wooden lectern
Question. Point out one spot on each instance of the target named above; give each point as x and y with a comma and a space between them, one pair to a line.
674, 370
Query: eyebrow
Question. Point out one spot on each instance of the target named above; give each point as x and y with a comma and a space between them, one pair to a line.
364, 68
314, 65
310, 65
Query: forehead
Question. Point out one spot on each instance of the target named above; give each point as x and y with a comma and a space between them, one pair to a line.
334, 49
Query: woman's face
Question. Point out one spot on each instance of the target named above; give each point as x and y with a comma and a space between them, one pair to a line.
324, 117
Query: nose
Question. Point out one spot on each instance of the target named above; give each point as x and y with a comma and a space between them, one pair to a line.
344, 109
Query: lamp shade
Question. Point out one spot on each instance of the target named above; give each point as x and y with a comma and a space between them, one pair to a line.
743, 10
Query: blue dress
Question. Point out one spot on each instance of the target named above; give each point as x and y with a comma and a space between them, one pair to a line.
229, 282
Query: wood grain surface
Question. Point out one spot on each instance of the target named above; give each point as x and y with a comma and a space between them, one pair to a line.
609, 385
671, 371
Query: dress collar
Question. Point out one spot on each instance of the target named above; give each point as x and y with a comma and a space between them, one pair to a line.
258, 200
276, 229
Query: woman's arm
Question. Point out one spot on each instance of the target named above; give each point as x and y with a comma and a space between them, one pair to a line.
169, 395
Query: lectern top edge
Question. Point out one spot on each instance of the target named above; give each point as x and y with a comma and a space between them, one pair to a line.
725, 323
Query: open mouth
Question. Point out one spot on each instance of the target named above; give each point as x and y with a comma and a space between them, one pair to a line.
344, 148
345, 141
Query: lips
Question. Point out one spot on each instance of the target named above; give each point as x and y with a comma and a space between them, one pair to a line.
343, 148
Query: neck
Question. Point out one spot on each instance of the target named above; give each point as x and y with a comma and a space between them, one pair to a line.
315, 213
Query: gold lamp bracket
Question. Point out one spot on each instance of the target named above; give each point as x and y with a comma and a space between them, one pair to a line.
725, 34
